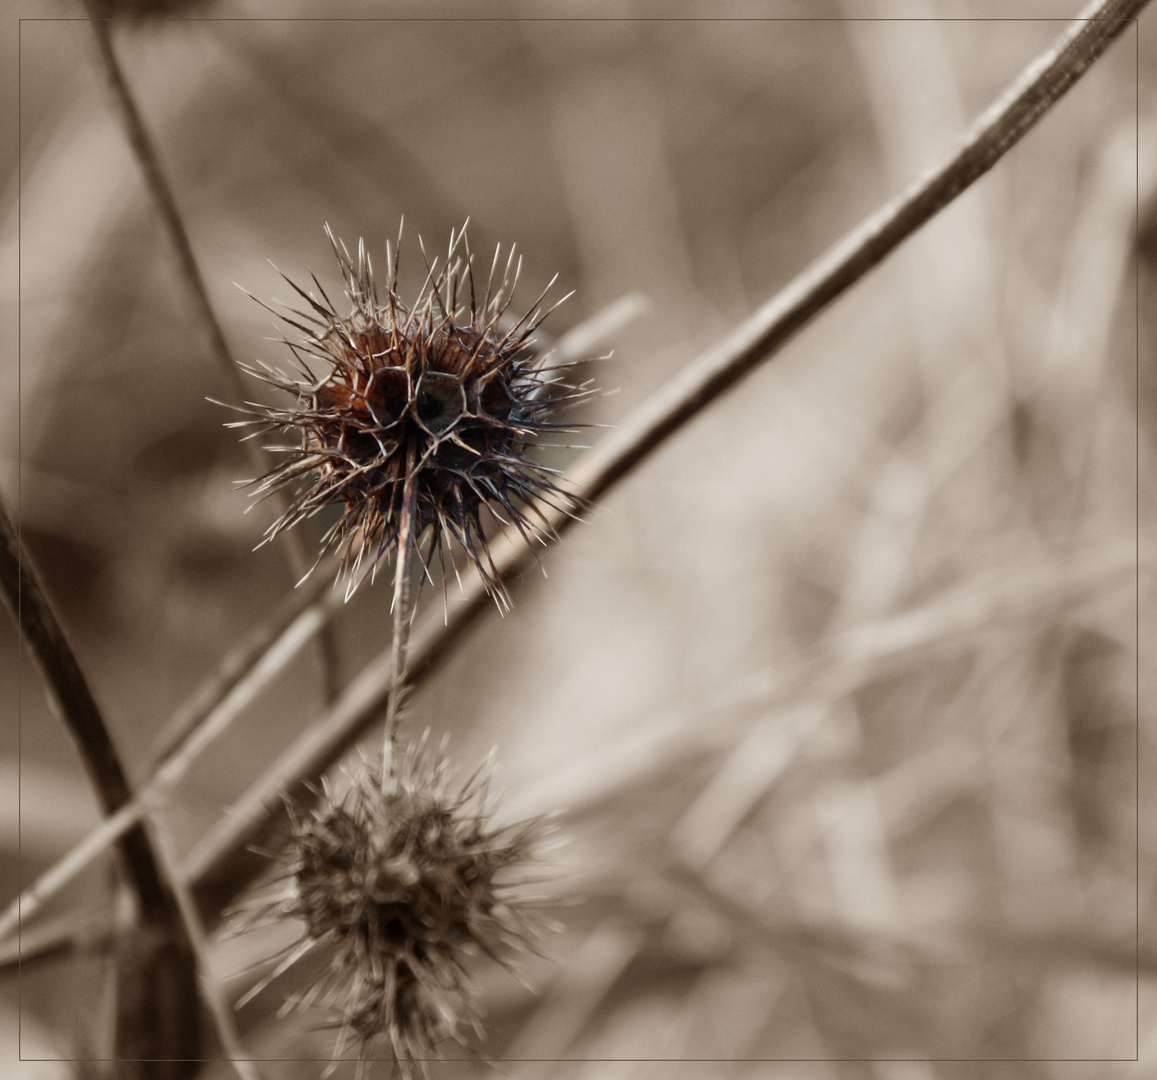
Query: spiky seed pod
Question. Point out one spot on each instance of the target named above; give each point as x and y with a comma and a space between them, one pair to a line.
446, 392
409, 880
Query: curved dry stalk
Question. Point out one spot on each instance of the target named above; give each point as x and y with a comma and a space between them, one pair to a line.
218, 861
189, 275
72, 699
73, 702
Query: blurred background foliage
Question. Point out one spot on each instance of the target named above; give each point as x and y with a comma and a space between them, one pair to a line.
839, 692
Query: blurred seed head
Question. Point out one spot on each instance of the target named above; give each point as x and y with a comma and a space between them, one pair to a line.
410, 880
152, 10
448, 391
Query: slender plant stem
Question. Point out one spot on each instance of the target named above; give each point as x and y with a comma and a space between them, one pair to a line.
402, 615
247, 667
73, 701
208, 715
112, 829
193, 284
84, 933
149, 162
219, 1007
177, 1035
220, 863
986, 141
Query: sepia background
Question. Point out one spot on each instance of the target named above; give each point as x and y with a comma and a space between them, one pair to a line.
837, 697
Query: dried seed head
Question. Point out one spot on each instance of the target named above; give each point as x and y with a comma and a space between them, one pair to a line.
448, 392
409, 879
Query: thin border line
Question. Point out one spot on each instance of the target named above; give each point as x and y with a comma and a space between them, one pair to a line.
170, 21
612, 20
1137, 507
583, 1061
19, 534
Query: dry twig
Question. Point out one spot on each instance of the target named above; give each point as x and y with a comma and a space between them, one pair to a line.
169, 957
189, 274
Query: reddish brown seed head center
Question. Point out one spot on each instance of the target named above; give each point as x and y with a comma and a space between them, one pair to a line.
412, 383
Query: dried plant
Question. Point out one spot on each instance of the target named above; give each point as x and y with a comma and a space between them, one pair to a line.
768, 830
422, 417
409, 883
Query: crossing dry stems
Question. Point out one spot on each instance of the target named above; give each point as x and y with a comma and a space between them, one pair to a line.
638, 438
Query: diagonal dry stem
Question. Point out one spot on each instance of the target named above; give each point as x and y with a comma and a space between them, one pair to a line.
189, 274
245, 669
195, 727
218, 861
